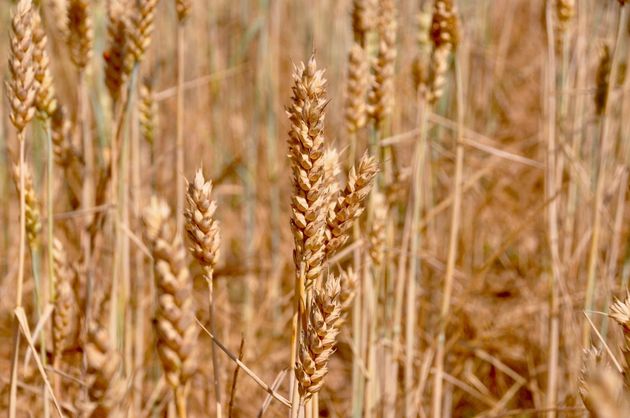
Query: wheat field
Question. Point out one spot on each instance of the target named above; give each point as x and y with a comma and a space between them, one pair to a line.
329, 208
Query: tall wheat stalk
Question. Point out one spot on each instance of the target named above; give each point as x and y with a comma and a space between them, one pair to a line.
601, 174
203, 233
22, 92
183, 10
444, 32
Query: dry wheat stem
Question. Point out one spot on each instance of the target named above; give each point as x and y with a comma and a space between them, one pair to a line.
452, 249
22, 93
604, 149
182, 9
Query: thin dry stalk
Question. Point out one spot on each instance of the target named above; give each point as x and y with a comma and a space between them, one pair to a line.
602, 169
439, 38
183, 9
550, 189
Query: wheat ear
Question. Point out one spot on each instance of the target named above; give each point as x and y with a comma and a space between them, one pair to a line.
356, 89
309, 196
33, 218
66, 313
363, 18
445, 36
45, 100
80, 34
205, 238
117, 56
350, 203
174, 317
318, 340
381, 95
22, 91
106, 386
142, 28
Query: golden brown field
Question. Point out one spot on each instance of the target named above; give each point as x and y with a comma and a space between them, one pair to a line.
315, 208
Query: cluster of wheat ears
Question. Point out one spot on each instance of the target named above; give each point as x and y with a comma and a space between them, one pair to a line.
391, 301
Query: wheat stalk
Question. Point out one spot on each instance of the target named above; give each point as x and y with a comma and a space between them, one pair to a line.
22, 92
